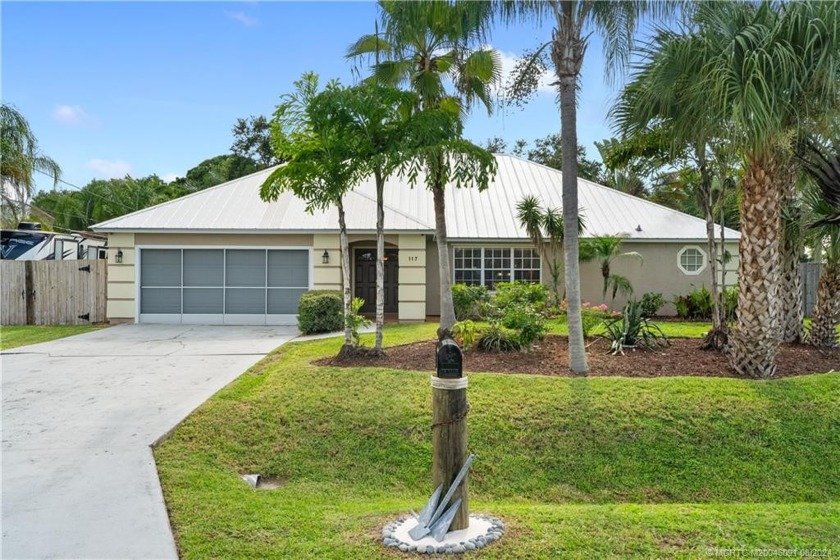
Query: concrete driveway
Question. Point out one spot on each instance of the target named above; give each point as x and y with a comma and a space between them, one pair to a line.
79, 415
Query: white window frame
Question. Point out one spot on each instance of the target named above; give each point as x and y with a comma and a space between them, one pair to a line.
509, 248
702, 268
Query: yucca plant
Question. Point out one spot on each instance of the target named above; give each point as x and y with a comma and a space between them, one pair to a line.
633, 330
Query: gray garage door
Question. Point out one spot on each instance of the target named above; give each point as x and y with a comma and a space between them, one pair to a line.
222, 286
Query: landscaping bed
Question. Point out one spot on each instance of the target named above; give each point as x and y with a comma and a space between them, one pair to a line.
550, 357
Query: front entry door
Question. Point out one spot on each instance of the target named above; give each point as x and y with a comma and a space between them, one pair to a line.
365, 279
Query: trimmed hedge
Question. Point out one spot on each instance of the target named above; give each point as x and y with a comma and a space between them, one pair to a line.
320, 311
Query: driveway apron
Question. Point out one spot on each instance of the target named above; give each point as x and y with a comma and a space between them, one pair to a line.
79, 416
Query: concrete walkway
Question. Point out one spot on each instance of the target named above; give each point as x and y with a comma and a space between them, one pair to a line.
79, 415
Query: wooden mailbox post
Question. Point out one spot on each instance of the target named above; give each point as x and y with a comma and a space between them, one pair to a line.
449, 425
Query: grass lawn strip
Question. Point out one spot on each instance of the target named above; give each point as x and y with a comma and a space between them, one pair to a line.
607, 467
14, 336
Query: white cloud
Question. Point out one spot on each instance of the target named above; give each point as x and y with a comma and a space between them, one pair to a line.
509, 61
169, 177
71, 115
109, 169
242, 18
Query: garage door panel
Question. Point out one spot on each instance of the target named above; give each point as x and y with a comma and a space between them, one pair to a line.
222, 286
245, 268
203, 300
160, 267
288, 268
204, 267
245, 301
284, 301
160, 300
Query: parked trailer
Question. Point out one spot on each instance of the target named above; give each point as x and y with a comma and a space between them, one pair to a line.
29, 243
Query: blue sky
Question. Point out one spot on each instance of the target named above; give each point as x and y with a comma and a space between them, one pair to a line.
141, 88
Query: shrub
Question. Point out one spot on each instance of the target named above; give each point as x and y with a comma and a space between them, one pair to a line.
683, 306
651, 303
702, 303
355, 320
320, 311
465, 333
633, 330
469, 301
527, 324
697, 304
497, 338
520, 294
591, 318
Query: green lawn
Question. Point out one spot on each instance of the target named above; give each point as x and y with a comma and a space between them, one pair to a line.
12, 336
583, 468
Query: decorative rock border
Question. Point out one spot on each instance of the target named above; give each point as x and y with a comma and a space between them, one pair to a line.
483, 531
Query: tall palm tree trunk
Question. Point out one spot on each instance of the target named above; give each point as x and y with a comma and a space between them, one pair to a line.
571, 249
754, 342
380, 260
447, 306
344, 244
791, 312
826, 314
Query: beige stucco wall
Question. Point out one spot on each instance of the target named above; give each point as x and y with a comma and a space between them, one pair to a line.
326, 276
412, 275
432, 278
122, 288
657, 272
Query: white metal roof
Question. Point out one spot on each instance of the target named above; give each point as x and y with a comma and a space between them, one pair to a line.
236, 207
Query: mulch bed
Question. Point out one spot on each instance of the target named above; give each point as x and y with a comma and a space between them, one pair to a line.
550, 357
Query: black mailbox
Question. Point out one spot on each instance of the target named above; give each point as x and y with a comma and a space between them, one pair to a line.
450, 359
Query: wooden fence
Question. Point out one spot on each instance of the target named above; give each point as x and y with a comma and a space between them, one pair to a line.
52, 292
809, 275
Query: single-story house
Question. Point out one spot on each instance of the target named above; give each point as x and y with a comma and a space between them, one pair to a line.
223, 256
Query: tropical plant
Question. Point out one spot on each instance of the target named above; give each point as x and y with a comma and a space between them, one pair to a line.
651, 303
469, 301
425, 46
307, 138
528, 324
633, 330
605, 249
354, 320
616, 22
822, 203
497, 338
541, 226
518, 294
465, 333
20, 159
659, 129
758, 71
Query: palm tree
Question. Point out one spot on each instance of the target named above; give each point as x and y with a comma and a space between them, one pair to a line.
541, 226
823, 207
20, 159
658, 125
751, 68
424, 46
605, 249
305, 135
616, 22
